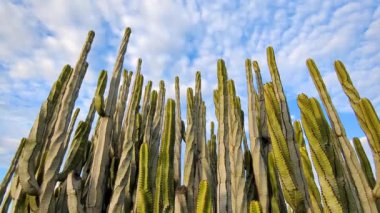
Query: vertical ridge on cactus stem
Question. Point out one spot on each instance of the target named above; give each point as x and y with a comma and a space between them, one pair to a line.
154, 143
364, 191
8, 176
164, 196
204, 201
221, 110
367, 117
144, 196
238, 190
276, 204
178, 135
213, 162
260, 91
102, 140
287, 128
258, 160
74, 189
180, 203
364, 162
126, 169
327, 181
315, 197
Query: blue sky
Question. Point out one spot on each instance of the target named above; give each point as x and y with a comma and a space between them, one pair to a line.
37, 38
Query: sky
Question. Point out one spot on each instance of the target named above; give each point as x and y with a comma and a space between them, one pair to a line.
38, 37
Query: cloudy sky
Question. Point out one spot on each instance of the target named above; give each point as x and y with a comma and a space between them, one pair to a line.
37, 38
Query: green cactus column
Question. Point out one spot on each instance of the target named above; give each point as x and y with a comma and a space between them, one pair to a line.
365, 195
366, 115
258, 160
144, 199
221, 112
178, 135
103, 138
164, 195
204, 201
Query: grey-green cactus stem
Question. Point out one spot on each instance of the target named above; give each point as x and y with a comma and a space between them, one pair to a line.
99, 93
258, 159
277, 203
102, 140
221, 111
127, 166
8, 176
213, 162
329, 187
154, 143
236, 157
180, 202
119, 113
144, 198
145, 102
367, 200
74, 189
164, 196
367, 117
364, 162
178, 135
287, 128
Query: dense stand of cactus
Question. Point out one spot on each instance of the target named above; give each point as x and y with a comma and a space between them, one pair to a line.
132, 159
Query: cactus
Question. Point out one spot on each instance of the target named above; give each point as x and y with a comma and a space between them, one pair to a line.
254, 207
164, 196
367, 201
204, 201
327, 181
99, 98
144, 196
134, 156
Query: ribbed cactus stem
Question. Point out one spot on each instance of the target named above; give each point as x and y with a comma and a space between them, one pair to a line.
287, 128
164, 196
178, 135
364, 191
99, 93
258, 160
103, 138
221, 111
11, 170
364, 162
180, 202
254, 207
204, 201
144, 196
126, 169
74, 191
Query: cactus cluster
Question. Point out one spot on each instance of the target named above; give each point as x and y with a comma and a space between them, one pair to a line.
130, 159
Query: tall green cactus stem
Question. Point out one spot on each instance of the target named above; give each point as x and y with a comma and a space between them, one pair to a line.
254, 207
213, 162
126, 170
327, 181
287, 128
364, 162
178, 136
367, 200
99, 93
292, 194
102, 140
263, 129
27, 165
149, 120
119, 113
154, 143
238, 190
367, 117
57, 146
258, 160
164, 196
144, 198
145, 102
315, 197
8, 176
204, 201
221, 111
277, 203
74, 188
